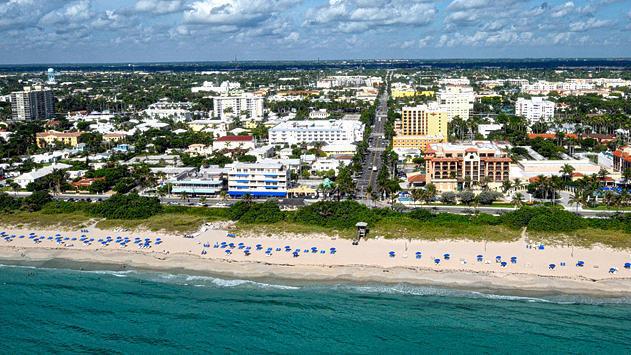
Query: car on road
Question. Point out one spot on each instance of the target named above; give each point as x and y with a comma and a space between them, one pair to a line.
221, 204
374, 168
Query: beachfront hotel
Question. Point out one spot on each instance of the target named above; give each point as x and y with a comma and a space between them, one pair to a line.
263, 179
421, 125
329, 131
454, 166
207, 181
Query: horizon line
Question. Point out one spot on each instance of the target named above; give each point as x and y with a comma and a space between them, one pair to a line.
322, 60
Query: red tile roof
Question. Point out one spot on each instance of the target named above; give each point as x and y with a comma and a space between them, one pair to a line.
416, 178
235, 139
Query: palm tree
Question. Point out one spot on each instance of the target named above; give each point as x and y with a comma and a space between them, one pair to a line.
247, 198
566, 171
223, 195
518, 200
506, 185
430, 192
626, 176
417, 195
517, 184
576, 198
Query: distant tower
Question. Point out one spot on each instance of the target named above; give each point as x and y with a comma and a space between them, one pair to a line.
51, 76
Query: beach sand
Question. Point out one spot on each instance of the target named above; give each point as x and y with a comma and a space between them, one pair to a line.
367, 262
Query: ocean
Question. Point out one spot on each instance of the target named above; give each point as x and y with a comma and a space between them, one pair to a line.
67, 311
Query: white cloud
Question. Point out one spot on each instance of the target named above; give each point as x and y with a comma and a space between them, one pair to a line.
589, 24
364, 15
563, 10
234, 12
159, 6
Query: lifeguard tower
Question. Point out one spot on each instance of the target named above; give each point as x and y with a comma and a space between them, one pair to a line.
362, 232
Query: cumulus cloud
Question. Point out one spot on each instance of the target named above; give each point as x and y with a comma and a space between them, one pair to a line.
589, 24
352, 16
159, 6
234, 12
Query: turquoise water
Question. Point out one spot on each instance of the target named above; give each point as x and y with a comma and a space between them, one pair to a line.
58, 310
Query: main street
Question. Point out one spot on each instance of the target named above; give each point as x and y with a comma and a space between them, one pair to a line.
377, 144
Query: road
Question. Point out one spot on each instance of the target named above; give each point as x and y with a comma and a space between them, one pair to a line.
377, 144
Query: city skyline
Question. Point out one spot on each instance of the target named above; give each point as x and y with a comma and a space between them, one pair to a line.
93, 31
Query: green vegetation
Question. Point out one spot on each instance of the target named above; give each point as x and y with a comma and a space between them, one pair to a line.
549, 224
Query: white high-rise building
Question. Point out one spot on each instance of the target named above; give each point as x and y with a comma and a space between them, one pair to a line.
456, 101
226, 108
535, 109
328, 131
36, 103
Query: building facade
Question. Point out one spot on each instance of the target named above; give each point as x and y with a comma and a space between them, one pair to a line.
420, 126
33, 103
456, 101
535, 109
265, 179
456, 166
226, 108
47, 138
331, 131
208, 181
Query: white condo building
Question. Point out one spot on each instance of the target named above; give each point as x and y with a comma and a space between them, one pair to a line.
456, 101
535, 109
264, 179
164, 109
224, 87
330, 131
227, 107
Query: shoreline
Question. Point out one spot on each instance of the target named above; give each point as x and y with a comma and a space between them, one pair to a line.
502, 283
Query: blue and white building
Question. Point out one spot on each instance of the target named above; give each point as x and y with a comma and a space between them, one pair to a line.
206, 182
264, 179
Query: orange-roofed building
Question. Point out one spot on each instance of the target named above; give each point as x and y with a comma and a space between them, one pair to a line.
451, 166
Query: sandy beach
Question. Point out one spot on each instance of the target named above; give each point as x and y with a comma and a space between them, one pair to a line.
370, 261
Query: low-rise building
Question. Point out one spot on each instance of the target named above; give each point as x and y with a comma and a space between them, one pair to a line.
262, 179
209, 181
321, 114
34, 175
164, 109
47, 138
328, 131
234, 143
200, 149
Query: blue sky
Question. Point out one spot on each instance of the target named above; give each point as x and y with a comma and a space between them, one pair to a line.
53, 31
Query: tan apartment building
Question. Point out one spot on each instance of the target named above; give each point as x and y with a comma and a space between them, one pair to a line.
421, 125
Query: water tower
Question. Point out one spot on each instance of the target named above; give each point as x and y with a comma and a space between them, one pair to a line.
51, 76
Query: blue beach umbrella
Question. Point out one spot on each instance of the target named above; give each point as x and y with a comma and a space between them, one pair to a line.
551, 266
480, 257
446, 256
437, 261
627, 265
296, 254
513, 259
392, 254
541, 247
503, 263
613, 270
